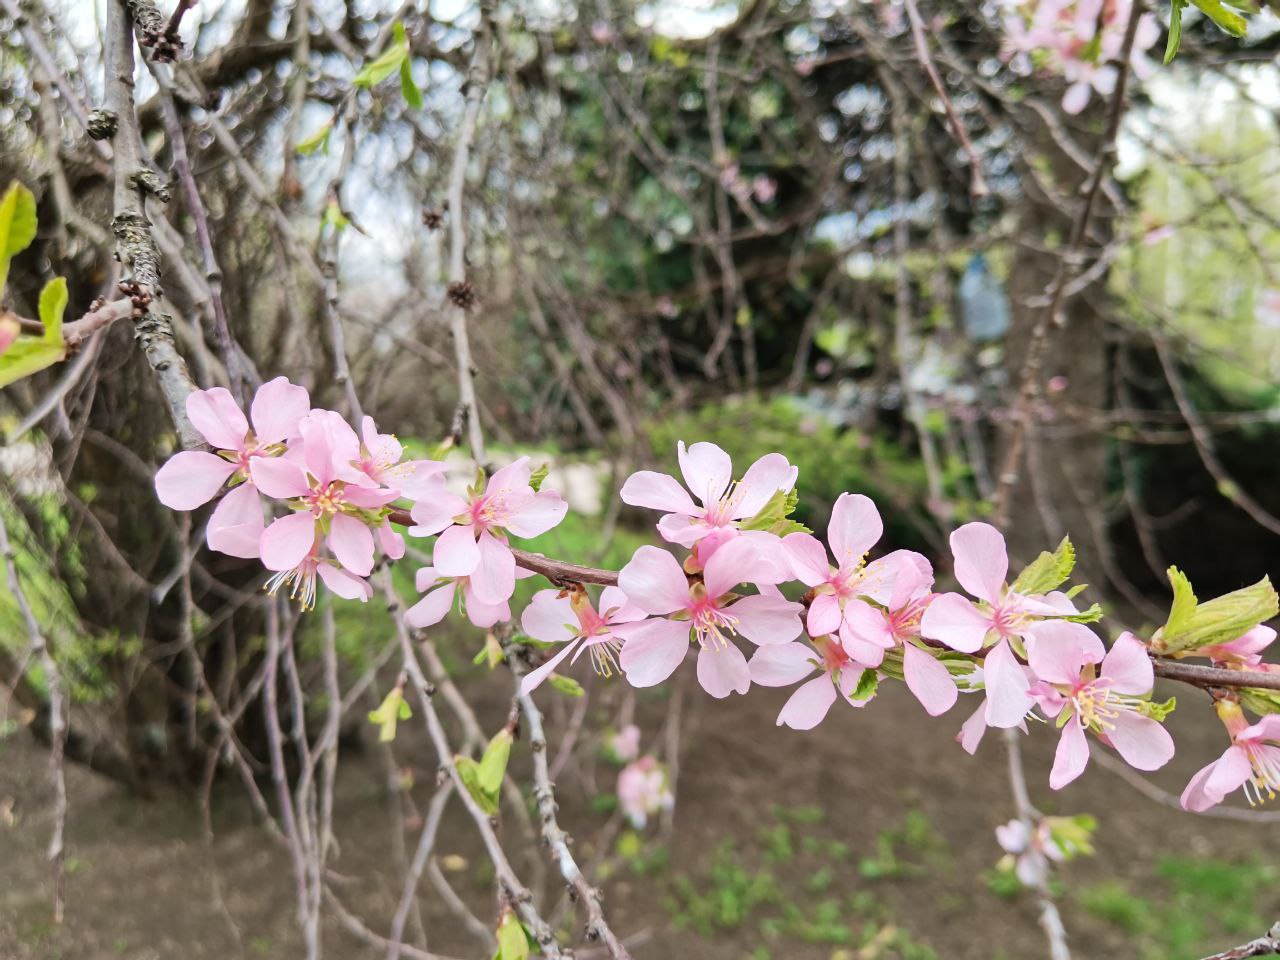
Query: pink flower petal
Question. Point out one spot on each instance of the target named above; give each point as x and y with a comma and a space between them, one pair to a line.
808, 558
511, 479
762, 480
235, 528
1008, 690
279, 478
863, 652
723, 670
615, 607
707, 470
865, 622
432, 608
809, 704
1128, 667
780, 665
1058, 649
484, 614
277, 408
344, 584
653, 650
825, 615
535, 677
747, 558
215, 414
913, 577
1268, 728
878, 578
854, 529
390, 541
972, 730
494, 578
1071, 757
287, 541
191, 478
654, 581
1197, 798
955, 621
433, 514
766, 619
549, 617
981, 560
929, 680
455, 553
657, 491
352, 544
1142, 742
1231, 771
537, 515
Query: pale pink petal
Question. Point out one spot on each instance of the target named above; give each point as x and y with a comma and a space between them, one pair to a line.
344, 584
549, 617
1128, 667
744, 559
955, 621
723, 670
390, 541
864, 652
981, 559
1008, 690
215, 414
235, 528
878, 579
369, 498
494, 579
912, 577
191, 478
825, 615
809, 704
677, 528
432, 608
484, 614
657, 491
762, 480
424, 578
286, 543
1058, 649
1268, 728
534, 677
455, 553
537, 515
1142, 742
971, 731
929, 680
511, 479
1076, 98
277, 409
1071, 757
854, 529
418, 479
808, 558
707, 470
766, 619
278, 477
780, 665
1198, 796
865, 622
654, 581
615, 607
352, 544
653, 650
437, 511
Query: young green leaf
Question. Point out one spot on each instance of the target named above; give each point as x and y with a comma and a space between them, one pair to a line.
1047, 571
28, 355
1226, 19
469, 772
1219, 620
566, 685
512, 943
1175, 30
538, 477
384, 66
317, 141
17, 226
393, 708
493, 763
1184, 603
412, 95
866, 687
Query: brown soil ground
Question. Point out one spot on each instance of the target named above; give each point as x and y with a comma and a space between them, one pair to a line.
140, 880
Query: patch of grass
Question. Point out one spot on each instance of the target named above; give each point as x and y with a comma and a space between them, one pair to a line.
905, 851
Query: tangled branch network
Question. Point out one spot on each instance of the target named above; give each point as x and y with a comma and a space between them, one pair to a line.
1022, 648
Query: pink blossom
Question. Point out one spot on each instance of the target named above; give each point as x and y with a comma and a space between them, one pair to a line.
473, 530
1029, 847
554, 617
897, 624
9, 331
1002, 617
780, 665
301, 580
1252, 762
331, 504
1244, 651
194, 477
625, 744
643, 790
441, 592
655, 582
854, 529
380, 459
764, 187
708, 472
1113, 704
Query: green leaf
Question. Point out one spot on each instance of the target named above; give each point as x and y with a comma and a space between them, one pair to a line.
774, 516
1158, 711
1219, 620
1175, 30
1261, 702
384, 66
393, 708
1184, 603
1091, 614
1226, 19
866, 686
412, 95
28, 355
469, 773
334, 217
17, 226
539, 477
493, 764
566, 685
317, 141
512, 943
490, 654
1047, 571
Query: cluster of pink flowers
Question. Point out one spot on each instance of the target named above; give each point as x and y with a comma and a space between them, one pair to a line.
1079, 39
1021, 646
644, 790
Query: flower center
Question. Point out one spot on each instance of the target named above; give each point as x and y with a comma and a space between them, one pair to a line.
301, 581
710, 624
327, 500
1266, 773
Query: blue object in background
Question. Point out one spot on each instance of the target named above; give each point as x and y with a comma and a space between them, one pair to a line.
984, 308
